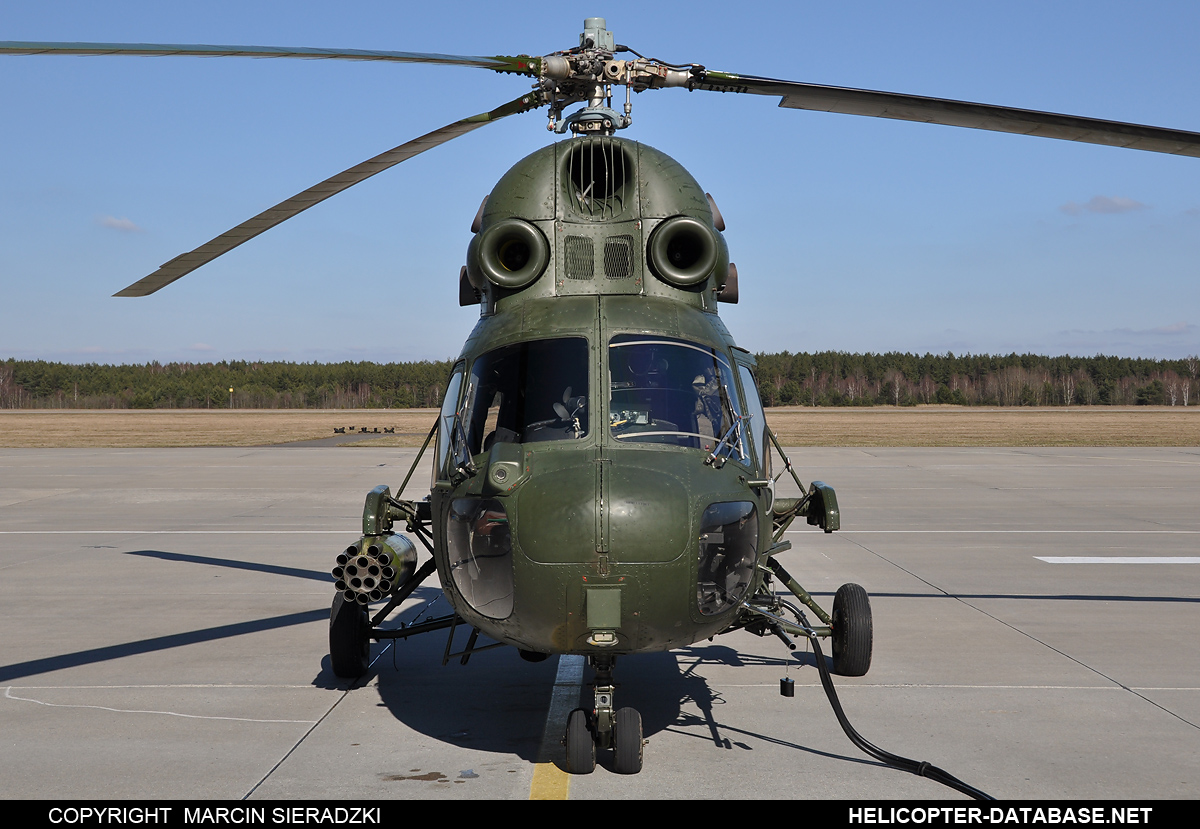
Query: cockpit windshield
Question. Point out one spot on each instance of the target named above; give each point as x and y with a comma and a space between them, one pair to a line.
527, 392
674, 392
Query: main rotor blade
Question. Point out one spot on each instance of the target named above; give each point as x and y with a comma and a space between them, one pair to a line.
227, 241
521, 64
797, 95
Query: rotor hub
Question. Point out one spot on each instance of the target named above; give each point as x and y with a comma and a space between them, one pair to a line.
589, 73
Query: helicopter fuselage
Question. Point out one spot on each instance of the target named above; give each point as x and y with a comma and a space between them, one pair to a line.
600, 480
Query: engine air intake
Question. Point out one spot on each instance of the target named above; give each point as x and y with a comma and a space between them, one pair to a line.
682, 251
512, 253
598, 177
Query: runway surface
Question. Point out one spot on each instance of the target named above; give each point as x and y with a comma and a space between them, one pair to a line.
163, 623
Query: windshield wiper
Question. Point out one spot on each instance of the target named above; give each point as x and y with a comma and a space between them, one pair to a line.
734, 431
464, 467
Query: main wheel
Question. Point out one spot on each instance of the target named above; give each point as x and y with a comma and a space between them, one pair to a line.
581, 748
852, 631
627, 741
349, 638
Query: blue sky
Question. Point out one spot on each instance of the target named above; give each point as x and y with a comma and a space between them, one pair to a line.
849, 233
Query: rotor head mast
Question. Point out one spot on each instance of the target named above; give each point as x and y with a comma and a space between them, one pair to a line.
588, 73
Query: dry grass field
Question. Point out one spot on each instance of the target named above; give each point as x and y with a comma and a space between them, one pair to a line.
795, 426
962, 426
52, 428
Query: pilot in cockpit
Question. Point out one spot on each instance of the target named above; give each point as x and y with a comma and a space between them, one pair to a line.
707, 387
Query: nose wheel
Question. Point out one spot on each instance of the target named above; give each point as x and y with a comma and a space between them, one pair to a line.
581, 746
604, 728
627, 741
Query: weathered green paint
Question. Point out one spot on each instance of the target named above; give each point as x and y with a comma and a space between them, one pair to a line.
604, 533
375, 520
604, 608
823, 509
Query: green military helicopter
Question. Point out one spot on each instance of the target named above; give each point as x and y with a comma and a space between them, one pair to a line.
602, 478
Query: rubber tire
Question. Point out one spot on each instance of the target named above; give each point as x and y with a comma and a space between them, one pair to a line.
852, 631
627, 741
581, 746
349, 638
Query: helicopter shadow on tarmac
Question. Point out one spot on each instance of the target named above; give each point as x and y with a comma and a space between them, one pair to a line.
458, 704
674, 695
498, 703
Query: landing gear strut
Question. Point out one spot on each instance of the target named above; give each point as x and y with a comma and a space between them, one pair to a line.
604, 728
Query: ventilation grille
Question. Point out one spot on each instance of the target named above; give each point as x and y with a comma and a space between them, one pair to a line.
598, 177
580, 257
618, 257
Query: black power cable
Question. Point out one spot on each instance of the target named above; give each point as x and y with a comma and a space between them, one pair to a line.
921, 769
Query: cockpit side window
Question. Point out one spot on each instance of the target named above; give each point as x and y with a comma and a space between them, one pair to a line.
758, 421
526, 393
674, 392
446, 424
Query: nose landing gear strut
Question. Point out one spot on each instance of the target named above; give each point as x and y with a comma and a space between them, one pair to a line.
604, 727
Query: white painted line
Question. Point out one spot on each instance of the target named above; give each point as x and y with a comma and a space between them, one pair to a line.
966, 531
869, 685
8, 694
860, 685
176, 532
1119, 559
169, 687
567, 684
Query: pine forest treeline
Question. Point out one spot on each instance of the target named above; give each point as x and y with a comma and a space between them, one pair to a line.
822, 379
839, 379
38, 384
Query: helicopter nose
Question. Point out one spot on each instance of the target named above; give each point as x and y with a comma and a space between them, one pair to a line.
630, 513
557, 513
649, 517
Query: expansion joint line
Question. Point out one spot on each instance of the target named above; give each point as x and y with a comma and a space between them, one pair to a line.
1026, 634
353, 686
356, 684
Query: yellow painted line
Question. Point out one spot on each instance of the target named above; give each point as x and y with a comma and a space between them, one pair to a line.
549, 781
